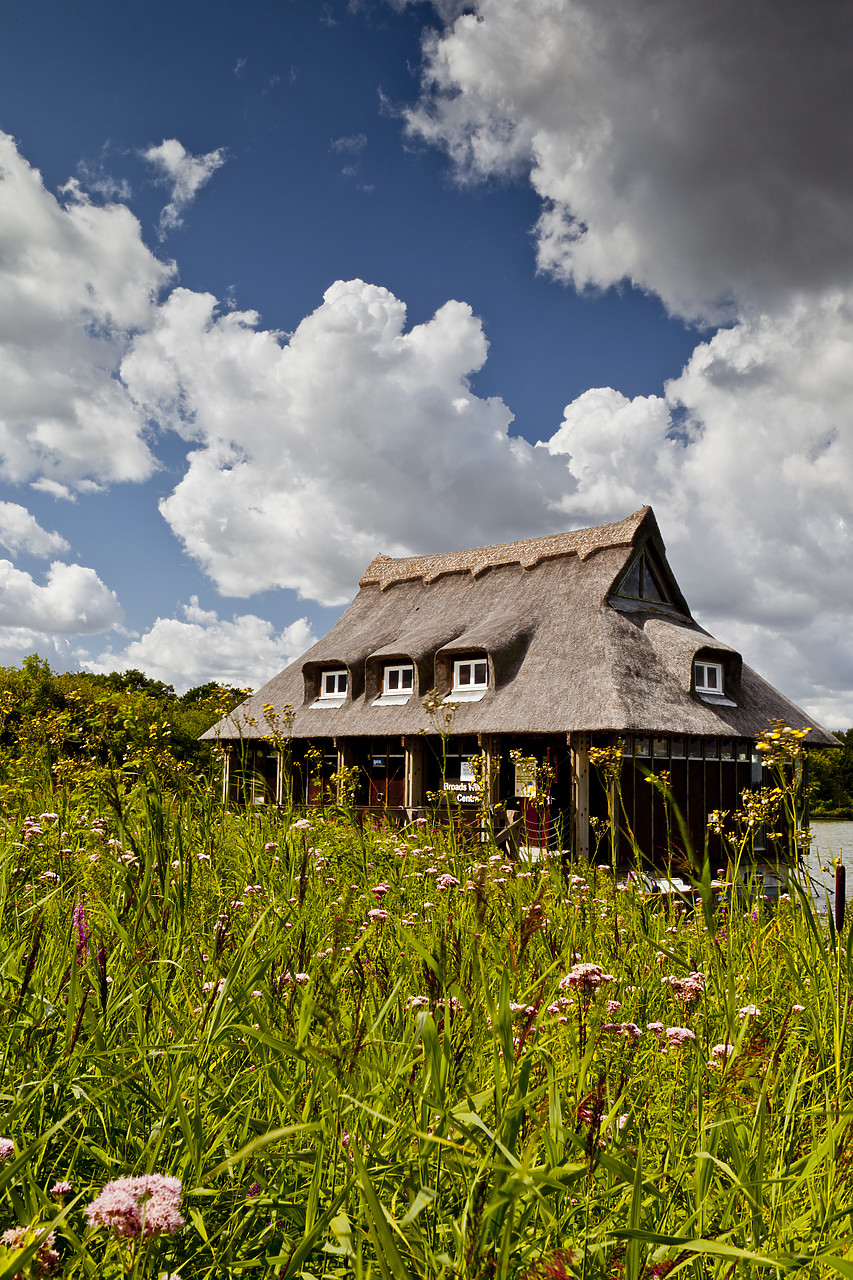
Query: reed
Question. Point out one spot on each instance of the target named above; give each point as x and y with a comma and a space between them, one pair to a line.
373, 1052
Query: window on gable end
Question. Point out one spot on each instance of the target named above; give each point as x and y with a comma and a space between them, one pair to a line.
645, 582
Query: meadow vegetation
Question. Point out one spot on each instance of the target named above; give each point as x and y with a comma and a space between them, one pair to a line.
275, 1043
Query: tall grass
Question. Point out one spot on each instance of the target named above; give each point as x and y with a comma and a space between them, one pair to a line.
380, 1053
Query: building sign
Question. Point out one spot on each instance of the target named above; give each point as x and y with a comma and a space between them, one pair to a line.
465, 790
525, 778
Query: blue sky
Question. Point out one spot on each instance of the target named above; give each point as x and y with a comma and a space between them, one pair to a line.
615, 236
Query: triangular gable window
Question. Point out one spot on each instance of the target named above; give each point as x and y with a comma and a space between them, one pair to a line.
645, 582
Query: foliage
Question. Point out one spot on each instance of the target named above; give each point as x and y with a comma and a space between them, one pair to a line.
831, 773
75, 729
374, 1052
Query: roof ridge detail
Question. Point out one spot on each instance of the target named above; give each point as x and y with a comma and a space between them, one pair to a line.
384, 570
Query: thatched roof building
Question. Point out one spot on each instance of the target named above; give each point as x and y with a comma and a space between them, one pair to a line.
536, 646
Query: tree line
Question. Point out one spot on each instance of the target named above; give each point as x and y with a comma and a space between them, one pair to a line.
70, 727
831, 778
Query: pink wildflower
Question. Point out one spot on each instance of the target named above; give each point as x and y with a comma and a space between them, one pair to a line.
797, 1008
678, 1036
688, 989
301, 824
61, 1189
749, 1011
656, 1028
7, 1149
379, 890
377, 915
613, 1006
139, 1207
447, 881
586, 977
721, 1053
629, 1030
46, 1257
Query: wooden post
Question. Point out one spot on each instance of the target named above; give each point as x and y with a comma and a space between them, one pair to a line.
580, 787
226, 774
279, 778
346, 756
413, 793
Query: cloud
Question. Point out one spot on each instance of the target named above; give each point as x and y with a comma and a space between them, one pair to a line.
245, 651
703, 152
20, 531
747, 459
309, 453
75, 279
351, 145
186, 174
353, 436
73, 601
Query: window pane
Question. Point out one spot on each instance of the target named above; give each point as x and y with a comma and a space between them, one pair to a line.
481, 673
642, 747
700, 675
694, 749
342, 682
329, 683
394, 678
711, 749
408, 675
464, 673
678, 748
711, 674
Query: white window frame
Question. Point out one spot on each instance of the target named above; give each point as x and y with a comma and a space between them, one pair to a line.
336, 694
400, 669
474, 689
395, 697
701, 685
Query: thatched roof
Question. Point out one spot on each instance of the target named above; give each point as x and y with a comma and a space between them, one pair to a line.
577, 640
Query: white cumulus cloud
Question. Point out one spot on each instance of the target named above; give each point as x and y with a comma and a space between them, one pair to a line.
20, 531
75, 279
73, 600
184, 173
244, 651
354, 435
702, 151
747, 458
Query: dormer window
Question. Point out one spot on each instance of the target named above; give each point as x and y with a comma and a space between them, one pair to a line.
470, 679
708, 678
398, 684
333, 684
470, 673
398, 678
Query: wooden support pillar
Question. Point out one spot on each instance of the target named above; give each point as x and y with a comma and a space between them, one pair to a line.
226, 774
413, 793
491, 749
279, 778
346, 759
580, 788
